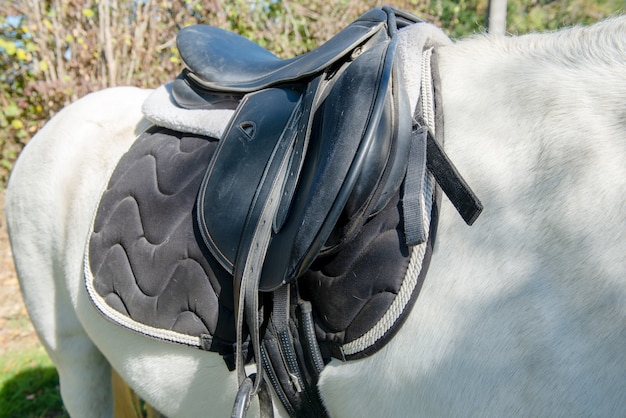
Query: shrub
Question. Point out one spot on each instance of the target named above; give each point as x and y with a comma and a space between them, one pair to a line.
52, 53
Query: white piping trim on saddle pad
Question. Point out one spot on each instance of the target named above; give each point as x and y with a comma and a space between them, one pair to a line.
404, 295
120, 318
428, 91
417, 253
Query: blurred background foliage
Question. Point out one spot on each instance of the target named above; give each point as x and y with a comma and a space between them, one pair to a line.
55, 51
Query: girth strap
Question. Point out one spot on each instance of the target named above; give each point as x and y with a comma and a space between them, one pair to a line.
291, 355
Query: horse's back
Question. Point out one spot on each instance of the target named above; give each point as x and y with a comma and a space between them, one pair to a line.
51, 197
87, 130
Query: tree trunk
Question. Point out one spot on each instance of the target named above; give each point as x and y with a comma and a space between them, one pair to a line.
496, 17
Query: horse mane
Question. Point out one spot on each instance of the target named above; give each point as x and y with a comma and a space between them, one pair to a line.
602, 43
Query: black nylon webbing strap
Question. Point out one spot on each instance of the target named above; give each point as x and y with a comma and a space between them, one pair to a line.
451, 182
412, 206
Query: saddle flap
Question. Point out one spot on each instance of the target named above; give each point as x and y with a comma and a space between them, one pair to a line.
384, 166
396, 122
264, 122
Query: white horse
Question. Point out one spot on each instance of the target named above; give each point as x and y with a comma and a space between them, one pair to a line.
522, 314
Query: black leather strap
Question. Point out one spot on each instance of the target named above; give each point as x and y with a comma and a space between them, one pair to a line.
253, 247
244, 396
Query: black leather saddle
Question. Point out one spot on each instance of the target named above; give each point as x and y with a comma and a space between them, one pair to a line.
318, 142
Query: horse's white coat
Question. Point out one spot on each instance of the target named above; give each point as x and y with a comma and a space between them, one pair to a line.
522, 314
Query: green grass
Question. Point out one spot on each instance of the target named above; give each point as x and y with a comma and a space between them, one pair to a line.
29, 385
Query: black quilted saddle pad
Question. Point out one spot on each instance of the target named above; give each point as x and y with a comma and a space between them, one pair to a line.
147, 267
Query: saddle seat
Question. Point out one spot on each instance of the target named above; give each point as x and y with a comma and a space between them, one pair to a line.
220, 60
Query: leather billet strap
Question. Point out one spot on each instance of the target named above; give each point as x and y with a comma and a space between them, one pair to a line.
452, 183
